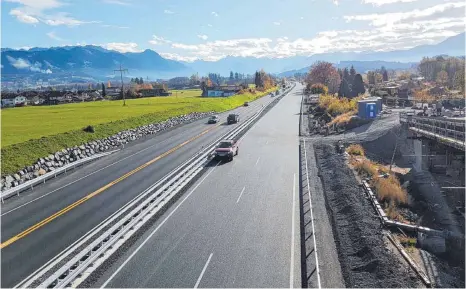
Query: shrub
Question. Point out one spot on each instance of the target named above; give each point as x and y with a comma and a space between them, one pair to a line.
319, 88
342, 119
336, 106
389, 189
355, 149
89, 128
366, 168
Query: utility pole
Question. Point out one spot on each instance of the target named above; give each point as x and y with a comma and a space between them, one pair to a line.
121, 70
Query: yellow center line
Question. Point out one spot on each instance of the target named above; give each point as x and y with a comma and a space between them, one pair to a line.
95, 193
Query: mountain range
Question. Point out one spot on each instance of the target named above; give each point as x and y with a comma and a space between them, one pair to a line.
96, 62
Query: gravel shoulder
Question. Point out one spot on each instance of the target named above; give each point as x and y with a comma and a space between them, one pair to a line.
363, 254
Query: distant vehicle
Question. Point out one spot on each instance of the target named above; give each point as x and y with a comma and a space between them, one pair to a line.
226, 149
213, 119
232, 118
246, 104
456, 113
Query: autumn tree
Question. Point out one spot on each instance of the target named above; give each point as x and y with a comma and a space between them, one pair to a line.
460, 80
325, 73
442, 77
318, 88
423, 96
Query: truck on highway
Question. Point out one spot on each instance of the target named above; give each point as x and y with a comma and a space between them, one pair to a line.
232, 118
226, 149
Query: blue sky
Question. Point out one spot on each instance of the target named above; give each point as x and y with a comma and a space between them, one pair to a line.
212, 29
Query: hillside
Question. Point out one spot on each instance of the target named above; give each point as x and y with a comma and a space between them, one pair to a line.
88, 60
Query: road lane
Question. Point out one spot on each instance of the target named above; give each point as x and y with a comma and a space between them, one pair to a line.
27, 254
244, 215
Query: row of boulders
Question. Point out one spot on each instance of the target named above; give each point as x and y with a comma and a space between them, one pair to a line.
70, 155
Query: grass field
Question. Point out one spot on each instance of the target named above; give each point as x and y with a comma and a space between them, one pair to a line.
32, 132
186, 92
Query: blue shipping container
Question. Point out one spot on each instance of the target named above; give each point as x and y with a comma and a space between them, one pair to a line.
371, 110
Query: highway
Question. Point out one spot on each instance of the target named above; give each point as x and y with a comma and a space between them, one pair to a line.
39, 224
237, 226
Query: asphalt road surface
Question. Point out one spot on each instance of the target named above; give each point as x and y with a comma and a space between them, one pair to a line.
237, 226
39, 224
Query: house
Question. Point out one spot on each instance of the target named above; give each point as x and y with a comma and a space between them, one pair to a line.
8, 102
154, 92
20, 101
223, 91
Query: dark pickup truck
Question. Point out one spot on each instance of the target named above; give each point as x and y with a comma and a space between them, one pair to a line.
232, 118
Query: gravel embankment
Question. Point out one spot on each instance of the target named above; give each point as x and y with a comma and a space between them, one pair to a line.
365, 260
70, 155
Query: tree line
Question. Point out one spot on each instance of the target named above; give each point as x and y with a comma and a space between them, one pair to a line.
347, 83
446, 71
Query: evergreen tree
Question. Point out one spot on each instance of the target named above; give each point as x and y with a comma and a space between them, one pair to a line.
231, 75
344, 90
103, 90
358, 86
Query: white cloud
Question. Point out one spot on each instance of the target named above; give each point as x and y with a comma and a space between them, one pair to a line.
387, 32
177, 57
384, 2
24, 64
32, 12
18, 63
335, 2
166, 11
276, 23
117, 2
114, 26
63, 19
157, 40
301, 17
433, 12
23, 17
38, 4
122, 47
214, 13
210, 25
203, 37
53, 36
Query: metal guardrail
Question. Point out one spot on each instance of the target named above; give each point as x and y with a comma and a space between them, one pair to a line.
41, 179
450, 131
126, 221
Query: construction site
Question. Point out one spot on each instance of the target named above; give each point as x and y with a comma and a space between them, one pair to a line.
393, 187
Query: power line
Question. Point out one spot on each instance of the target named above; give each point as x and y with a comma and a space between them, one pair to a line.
121, 70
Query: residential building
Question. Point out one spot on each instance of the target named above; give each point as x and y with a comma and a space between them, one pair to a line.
20, 101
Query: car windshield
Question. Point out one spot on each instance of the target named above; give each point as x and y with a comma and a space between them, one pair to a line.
225, 144
213, 117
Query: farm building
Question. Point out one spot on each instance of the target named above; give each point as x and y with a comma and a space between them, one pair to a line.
222, 91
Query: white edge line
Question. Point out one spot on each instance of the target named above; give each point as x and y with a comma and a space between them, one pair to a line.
203, 271
292, 233
155, 230
242, 191
69, 184
257, 161
312, 216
